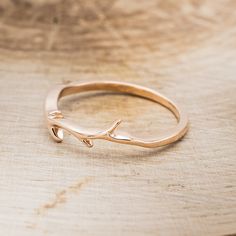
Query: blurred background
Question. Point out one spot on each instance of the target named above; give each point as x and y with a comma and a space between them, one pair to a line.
113, 31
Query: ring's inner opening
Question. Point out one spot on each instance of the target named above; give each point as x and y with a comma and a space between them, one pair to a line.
98, 109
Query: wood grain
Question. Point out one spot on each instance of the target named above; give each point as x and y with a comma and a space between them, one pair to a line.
185, 49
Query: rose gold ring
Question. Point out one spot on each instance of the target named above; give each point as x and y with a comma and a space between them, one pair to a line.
57, 123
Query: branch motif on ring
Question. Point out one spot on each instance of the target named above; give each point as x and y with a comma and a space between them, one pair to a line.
58, 123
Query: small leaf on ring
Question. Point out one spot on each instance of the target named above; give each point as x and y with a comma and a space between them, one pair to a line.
88, 142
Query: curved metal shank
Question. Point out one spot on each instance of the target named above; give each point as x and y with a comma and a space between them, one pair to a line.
57, 123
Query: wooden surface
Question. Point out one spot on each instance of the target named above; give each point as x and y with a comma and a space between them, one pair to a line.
185, 49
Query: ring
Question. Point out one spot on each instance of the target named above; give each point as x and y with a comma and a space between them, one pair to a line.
57, 123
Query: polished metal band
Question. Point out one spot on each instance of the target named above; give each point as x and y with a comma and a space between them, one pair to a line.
57, 122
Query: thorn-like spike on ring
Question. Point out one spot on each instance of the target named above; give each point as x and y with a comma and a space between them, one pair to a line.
114, 126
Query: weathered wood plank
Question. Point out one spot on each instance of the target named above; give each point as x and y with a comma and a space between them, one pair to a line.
186, 50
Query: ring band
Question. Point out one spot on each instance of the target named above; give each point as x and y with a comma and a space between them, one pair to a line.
57, 123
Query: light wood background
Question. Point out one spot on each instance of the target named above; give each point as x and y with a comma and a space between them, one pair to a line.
185, 49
